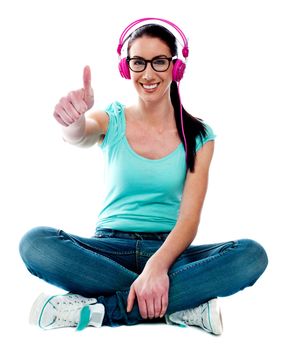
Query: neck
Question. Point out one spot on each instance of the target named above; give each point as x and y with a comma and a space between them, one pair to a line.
157, 114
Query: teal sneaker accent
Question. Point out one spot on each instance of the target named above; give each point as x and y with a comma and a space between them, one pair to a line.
84, 318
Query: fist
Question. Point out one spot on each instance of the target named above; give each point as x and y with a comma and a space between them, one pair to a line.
76, 103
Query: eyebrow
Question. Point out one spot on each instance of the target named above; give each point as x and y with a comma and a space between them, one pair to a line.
159, 56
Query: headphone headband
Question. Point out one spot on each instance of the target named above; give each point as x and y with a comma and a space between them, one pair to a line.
178, 65
185, 50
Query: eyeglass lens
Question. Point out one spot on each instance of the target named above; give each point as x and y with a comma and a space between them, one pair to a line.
158, 64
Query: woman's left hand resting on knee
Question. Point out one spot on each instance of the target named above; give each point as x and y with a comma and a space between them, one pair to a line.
151, 290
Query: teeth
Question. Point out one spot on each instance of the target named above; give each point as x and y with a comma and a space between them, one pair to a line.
150, 86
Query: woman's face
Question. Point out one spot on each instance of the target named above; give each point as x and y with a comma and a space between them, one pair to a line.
151, 85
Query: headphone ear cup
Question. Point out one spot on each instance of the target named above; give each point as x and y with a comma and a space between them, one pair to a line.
124, 68
178, 70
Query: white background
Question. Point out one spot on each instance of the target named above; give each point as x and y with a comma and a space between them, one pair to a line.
235, 80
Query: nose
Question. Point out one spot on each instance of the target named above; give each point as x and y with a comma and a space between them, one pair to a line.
148, 72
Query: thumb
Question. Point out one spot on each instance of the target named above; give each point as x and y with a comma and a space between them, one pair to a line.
131, 299
88, 91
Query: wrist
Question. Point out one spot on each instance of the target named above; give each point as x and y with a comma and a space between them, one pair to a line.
158, 263
75, 132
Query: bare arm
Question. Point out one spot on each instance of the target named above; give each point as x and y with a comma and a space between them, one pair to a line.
86, 131
186, 227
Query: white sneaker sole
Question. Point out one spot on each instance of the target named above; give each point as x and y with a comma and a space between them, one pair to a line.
215, 318
37, 308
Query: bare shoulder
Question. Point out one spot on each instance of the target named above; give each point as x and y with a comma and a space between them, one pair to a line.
202, 163
196, 184
204, 155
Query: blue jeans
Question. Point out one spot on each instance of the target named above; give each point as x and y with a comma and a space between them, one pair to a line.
105, 265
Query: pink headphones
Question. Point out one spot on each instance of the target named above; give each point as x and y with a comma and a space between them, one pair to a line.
178, 66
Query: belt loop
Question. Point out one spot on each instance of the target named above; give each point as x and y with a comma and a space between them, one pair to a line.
138, 235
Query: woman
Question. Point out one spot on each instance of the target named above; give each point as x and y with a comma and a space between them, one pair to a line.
141, 265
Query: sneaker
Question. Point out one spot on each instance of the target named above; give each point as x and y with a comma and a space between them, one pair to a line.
69, 310
206, 316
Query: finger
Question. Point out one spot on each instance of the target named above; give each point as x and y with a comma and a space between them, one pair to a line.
143, 308
78, 102
164, 305
131, 299
59, 119
87, 77
150, 308
64, 116
69, 108
157, 307
60, 111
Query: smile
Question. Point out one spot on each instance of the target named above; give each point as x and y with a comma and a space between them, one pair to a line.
150, 86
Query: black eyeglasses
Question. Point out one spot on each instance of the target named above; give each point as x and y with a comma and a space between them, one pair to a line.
159, 64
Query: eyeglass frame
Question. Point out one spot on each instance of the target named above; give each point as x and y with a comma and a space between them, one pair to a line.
128, 59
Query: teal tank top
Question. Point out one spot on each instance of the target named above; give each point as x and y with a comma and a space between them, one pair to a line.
142, 195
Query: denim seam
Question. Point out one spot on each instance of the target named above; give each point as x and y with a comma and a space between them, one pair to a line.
204, 261
146, 253
125, 252
138, 252
74, 241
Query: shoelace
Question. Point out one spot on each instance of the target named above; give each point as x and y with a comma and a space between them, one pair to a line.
194, 316
67, 317
71, 312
